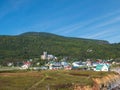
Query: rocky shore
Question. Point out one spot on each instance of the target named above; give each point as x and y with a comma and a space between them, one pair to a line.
117, 87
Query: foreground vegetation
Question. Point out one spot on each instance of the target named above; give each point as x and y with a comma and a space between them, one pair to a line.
45, 80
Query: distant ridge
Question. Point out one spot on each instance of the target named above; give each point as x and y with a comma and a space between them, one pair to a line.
36, 34
32, 44
50, 35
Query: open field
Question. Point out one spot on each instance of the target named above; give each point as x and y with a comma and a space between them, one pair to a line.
47, 80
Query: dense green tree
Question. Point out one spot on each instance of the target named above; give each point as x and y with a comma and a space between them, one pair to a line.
32, 44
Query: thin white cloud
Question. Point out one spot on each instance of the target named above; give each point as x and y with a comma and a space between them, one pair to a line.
98, 34
106, 23
69, 27
109, 34
84, 25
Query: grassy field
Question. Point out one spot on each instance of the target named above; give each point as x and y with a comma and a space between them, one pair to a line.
47, 80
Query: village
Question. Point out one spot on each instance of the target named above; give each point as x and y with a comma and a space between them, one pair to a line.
51, 63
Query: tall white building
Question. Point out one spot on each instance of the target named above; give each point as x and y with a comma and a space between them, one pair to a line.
44, 56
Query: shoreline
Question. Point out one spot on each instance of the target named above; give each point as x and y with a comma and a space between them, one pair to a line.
117, 69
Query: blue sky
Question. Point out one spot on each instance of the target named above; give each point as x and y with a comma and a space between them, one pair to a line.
93, 19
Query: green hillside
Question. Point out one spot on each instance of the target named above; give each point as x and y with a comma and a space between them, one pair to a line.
32, 44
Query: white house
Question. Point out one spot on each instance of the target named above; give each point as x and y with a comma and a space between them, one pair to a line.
77, 64
26, 65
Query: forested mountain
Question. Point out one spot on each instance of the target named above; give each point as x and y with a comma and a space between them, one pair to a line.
32, 44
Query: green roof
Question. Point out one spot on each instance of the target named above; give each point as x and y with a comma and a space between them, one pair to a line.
99, 66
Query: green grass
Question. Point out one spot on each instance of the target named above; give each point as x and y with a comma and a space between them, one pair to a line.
42, 80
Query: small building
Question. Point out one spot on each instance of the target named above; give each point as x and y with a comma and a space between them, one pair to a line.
46, 56
77, 64
102, 67
58, 65
66, 65
54, 65
26, 65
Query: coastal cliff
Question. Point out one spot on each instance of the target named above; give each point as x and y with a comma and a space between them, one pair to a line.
108, 82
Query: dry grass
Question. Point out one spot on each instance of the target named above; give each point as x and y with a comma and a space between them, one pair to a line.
42, 80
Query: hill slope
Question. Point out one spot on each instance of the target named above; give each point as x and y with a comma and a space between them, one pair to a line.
32, 44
